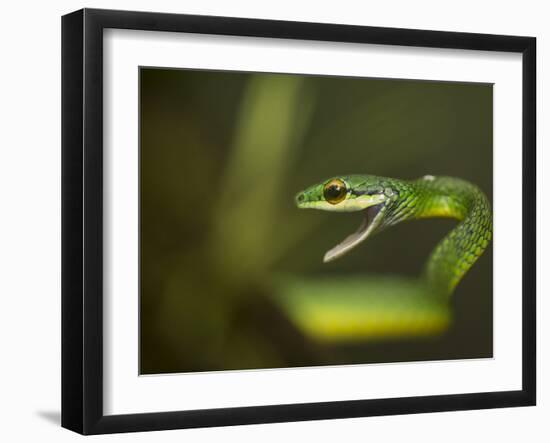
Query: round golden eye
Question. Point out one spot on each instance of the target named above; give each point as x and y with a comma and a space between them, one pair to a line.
335, 191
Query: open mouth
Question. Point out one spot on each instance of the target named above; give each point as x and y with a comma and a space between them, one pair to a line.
373, 216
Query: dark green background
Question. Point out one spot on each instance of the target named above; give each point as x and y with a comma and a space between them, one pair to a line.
201, 310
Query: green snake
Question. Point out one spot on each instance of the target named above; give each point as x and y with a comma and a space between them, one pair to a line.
393, 306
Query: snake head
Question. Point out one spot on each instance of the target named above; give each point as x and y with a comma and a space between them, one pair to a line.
349, 194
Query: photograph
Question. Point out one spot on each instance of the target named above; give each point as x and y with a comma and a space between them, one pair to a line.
285, 219
295, 220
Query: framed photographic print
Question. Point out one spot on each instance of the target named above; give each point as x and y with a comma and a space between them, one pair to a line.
270, 221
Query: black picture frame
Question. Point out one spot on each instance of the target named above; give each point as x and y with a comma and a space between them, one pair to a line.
82, 220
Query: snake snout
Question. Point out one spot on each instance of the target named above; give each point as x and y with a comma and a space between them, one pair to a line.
300, 198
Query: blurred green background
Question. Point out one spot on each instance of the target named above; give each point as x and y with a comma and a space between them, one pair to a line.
223, 154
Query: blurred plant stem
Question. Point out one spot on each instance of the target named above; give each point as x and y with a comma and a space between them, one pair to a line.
273, 117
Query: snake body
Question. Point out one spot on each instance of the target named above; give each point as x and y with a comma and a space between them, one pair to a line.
388, 201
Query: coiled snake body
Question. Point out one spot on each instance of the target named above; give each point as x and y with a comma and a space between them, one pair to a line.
386, 202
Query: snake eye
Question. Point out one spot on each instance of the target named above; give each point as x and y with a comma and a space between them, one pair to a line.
335, 191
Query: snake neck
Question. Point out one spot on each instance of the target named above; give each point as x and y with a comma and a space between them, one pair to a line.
447, 197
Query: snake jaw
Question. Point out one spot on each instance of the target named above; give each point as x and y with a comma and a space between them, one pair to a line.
372, 219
